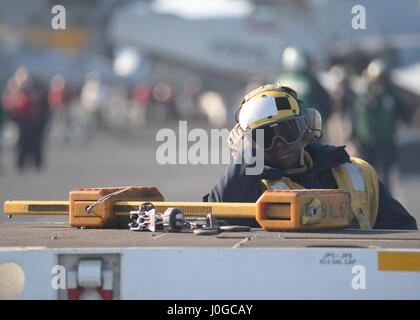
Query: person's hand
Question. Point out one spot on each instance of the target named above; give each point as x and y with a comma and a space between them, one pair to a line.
237, 139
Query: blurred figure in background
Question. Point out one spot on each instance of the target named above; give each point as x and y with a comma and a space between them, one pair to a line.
213, 106
141, 100
91, 99
188, 98
116, 110
343, 97
298, 75
59, 97
375, 116
26, 102
163, 102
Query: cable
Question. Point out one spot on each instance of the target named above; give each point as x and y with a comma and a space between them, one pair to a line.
108, 196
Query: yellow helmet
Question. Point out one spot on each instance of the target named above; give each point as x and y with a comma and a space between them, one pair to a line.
277, 110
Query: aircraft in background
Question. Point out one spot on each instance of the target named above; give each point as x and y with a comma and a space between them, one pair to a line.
224, 43
227, 43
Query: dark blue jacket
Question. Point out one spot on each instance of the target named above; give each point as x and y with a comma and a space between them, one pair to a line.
235, 186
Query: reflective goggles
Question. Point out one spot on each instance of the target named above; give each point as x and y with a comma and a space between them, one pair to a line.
289, 130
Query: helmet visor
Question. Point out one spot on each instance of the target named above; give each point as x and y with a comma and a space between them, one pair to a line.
288, 130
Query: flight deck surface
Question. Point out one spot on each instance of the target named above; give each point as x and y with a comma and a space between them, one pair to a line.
60, 235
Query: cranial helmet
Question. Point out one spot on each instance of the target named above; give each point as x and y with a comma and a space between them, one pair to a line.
277, 110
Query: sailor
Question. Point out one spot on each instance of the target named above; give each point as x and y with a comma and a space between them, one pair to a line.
298, 73
294, 160
376, 113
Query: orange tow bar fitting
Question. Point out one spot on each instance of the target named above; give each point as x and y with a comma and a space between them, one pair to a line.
306, 209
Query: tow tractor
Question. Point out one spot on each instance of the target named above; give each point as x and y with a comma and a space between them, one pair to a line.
305, 249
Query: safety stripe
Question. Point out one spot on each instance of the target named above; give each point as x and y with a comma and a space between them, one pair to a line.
356, 177
398, 261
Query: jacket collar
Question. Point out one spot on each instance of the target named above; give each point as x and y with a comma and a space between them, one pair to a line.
325, 157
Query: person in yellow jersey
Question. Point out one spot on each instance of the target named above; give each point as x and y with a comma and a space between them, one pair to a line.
294, 160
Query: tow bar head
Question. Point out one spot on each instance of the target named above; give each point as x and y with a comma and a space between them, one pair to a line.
304, 209
84, 213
